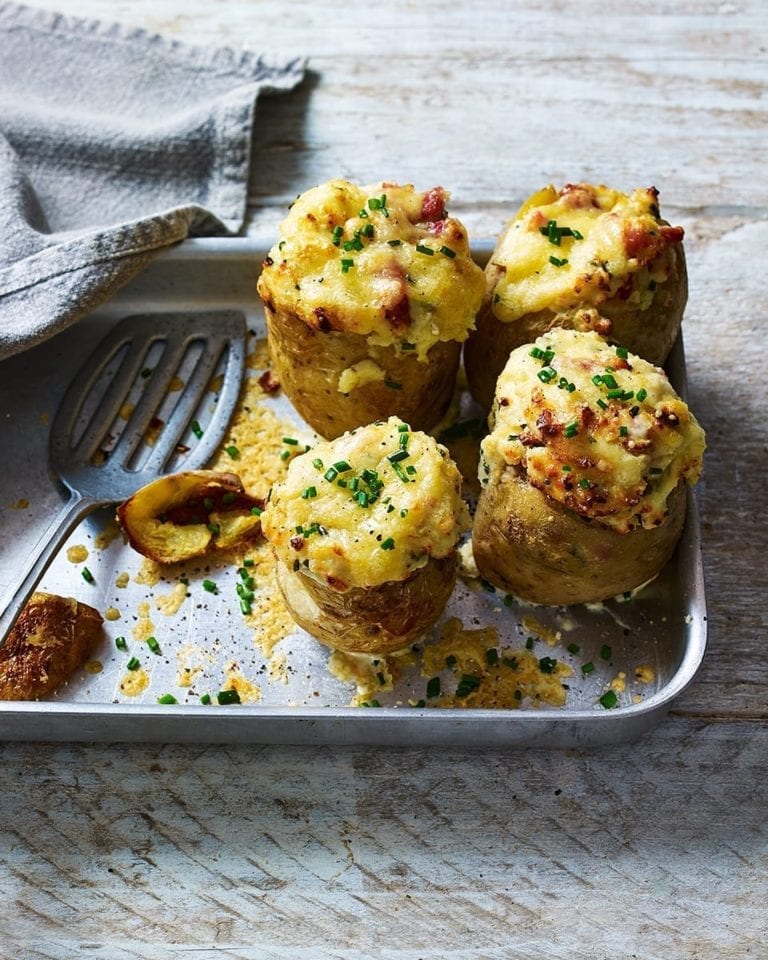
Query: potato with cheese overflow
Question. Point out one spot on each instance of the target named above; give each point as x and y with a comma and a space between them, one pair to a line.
584, 257
368, 294
584, 472
365, 530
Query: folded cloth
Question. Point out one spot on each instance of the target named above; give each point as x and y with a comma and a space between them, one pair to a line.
114, 143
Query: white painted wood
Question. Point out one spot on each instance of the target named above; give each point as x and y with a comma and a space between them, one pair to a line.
652, 850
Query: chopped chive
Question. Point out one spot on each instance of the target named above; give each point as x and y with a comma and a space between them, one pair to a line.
492, 656
330, 474
529, 643
584, 483
388, 544
546, 374
410, 470
433, 688
400, 472
245, 606
573, 648
407, 345
167, 698
403, 512
291, 441
587, 668
256, 511
602, 404
133, 664
214, 528
393, 385
641, 394
153, 645
655, 471
622, 353
609, 381
229, 498
605, 652
362, 498
196, 429
309, 493
450, 661
467, 685
341, 466
557, 262
336, 236
346, 264
317, 463
394, 243
210, 586
566, 468
205, 699
509, 600
510, 662
284, 454
248, 562
427, 251
571, 430
233, 452
623, 431
547, 664
447, 252
208, 503
397, 456
146, 372
120, 643
87, 575
228, 696
609, 700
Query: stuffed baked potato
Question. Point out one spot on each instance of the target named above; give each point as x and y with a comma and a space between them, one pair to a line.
583, 473
368, 295
588, 258
365, 529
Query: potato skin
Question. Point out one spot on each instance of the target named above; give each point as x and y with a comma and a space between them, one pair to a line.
649, 333
308, 363
537, 550
51, 639
370, 620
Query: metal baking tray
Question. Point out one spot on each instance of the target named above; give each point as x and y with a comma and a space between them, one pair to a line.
661, 628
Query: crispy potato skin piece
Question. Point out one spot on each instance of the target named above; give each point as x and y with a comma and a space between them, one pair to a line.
648, 333
50, 640
370, 620
308, 364
173, 542
537, 550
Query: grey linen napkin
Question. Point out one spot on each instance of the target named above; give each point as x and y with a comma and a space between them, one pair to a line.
114, 143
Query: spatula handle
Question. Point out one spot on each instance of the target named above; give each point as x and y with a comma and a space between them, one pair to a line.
28, 577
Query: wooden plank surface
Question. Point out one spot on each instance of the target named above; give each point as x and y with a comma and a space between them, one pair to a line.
651, 850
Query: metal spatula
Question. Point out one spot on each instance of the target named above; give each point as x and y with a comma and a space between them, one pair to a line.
142, 405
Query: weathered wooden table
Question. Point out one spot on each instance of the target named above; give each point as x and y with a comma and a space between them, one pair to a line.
656, 849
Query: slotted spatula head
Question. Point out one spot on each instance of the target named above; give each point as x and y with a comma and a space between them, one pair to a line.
155, 396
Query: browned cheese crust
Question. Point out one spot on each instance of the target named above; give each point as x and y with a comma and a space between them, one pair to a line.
52, 638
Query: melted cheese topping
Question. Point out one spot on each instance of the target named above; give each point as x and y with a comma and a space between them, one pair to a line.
350, 516
384, 261
596, 429
580, 247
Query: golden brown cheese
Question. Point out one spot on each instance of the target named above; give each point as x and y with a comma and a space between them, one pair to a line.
384, 261
367, 508
595, 428
581, 246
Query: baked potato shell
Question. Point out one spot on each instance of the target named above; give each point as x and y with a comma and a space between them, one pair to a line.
370, 620
649, 333
532, 547
308, 363
52, 638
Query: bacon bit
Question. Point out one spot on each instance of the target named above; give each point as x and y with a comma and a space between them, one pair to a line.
625, 290
269, 382
667, 417
335, 584
621, 364
579, 195
268, 261
530, 439
546, 426
672, 234
398, 316
437, 227
433, 205
587, 417
585, 462
503, 402
182, 448
297, 542
324, 324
